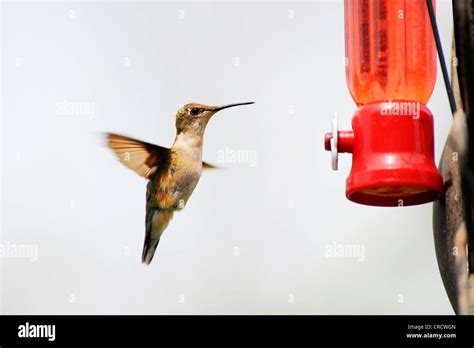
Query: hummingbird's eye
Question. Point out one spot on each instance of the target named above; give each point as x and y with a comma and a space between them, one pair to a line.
195, 111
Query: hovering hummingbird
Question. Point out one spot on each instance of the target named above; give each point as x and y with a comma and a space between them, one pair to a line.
172, 173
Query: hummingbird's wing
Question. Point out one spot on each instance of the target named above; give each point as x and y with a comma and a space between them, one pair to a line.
143, 158
206, 165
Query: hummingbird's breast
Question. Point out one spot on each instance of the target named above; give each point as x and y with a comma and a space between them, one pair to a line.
176, 184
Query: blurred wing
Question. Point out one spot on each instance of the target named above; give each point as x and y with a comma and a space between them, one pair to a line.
143, 158
209, 166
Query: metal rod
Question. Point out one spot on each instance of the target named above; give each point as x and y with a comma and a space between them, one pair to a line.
442, 61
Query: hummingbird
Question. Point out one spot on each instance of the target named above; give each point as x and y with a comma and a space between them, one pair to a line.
172, 173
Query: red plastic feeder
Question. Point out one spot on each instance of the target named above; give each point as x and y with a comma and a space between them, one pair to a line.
391, 72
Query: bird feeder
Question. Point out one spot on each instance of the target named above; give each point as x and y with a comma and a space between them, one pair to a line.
391, 73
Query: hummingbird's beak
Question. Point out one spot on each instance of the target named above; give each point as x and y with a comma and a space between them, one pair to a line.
219, 108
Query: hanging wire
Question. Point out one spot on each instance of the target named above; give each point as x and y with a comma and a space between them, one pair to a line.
442, 61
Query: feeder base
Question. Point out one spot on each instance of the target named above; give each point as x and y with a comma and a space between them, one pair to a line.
393, 156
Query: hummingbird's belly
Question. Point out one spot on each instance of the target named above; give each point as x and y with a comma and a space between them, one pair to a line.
183, 191
175, 189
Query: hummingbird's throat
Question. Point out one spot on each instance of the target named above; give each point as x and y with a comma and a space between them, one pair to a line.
188, 138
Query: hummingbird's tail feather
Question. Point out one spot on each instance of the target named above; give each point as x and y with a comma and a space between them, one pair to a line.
156, 222
149, 251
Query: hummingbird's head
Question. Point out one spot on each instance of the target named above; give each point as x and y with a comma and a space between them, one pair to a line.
192, 118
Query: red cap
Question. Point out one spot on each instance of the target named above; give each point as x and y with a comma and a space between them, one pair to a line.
393, 155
